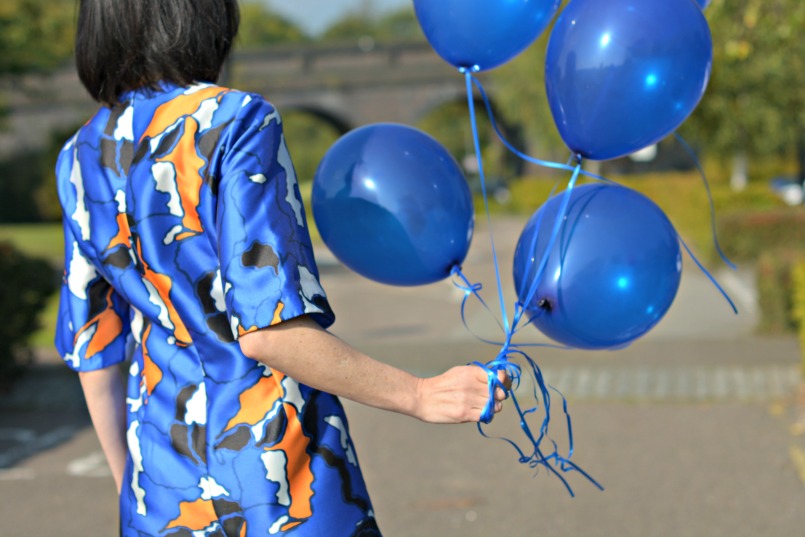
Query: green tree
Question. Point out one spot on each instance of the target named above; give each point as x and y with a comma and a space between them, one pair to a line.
26, 283
397, 25
450, 125
27, 187
308, 138
259, 25
35, 35
350, 27
519, 91
401, 24
755, 102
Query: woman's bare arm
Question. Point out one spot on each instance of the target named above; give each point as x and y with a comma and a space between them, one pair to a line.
105, 393
301, 349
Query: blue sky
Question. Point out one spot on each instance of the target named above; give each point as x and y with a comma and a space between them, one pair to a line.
313, 16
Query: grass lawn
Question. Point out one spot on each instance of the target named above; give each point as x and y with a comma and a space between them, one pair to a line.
37, 240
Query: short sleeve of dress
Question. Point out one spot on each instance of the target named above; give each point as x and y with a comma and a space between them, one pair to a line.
93, 321
266, 257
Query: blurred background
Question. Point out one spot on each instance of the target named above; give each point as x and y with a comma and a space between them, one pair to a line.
333, 66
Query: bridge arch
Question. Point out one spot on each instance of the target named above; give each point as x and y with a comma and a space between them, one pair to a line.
320, 113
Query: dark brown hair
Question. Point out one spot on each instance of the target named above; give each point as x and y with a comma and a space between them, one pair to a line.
123, 45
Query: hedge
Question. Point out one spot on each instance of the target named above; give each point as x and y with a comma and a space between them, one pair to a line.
775, 239
745, 235
798, 306
683, 197
774, 273
25, 285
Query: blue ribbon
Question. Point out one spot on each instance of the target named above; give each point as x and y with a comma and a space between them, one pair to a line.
554, 461
698, 165
476, 140
472, 290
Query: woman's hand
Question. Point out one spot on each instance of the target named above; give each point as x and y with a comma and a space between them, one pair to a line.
457, 396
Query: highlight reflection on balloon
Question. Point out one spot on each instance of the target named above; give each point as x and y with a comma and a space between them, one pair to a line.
392, 204
483, 33
612, 273
621, 75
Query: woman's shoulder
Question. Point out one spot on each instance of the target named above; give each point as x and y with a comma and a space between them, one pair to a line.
247, 103
227, 104
89, 131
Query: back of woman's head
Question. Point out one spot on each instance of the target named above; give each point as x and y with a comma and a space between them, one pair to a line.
123, 45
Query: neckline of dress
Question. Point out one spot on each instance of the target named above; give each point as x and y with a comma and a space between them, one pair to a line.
163, 88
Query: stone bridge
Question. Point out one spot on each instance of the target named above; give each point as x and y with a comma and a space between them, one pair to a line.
346, 85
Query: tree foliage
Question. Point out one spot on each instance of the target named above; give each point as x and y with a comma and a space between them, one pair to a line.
350, 27
397, 25
308, 138
27, 187
755, 101
25, 285
401, 24
35, 35
259, 25
519, 92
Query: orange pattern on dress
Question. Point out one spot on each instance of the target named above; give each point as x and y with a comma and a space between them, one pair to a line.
294, 444
123, 235
195, 516
182, 105
108, 326
188, 165
255, 403
163, 285
152, 374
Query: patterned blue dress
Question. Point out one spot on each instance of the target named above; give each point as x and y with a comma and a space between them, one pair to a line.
184, 229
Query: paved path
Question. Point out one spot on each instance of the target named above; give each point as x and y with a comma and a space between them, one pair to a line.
693, 430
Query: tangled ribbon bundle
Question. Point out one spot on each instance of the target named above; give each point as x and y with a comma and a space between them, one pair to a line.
535, 456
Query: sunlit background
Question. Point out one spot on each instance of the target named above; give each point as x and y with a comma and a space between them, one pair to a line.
333, 66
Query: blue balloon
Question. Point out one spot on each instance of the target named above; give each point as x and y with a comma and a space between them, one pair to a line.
483, 33
393, 205
621, 75
612, 273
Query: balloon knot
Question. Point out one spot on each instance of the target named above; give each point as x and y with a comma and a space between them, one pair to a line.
472, 69
544, 304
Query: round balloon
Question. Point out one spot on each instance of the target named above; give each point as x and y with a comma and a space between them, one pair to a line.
483, 33
612, 273
621, 75
393, 205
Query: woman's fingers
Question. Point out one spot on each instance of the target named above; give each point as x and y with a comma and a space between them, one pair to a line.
500, 394
504, 379
460, 395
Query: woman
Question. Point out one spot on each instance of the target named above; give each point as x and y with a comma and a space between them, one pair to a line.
187, 251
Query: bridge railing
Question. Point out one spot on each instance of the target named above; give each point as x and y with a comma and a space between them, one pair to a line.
336, 65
